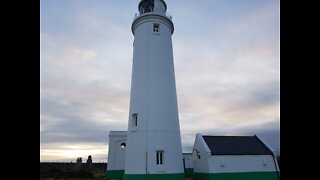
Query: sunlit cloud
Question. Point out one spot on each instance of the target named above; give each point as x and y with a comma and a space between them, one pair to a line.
66, 152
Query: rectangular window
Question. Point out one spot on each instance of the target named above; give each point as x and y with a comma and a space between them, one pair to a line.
159, 157
135, 119
156, 27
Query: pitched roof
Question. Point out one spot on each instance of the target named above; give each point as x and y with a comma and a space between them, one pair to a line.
236, 145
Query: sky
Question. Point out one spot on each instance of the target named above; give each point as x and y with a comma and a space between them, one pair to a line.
227, 71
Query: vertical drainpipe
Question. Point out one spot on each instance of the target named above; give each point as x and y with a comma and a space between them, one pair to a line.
276, 164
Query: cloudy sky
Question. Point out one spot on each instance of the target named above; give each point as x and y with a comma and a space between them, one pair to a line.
227, 67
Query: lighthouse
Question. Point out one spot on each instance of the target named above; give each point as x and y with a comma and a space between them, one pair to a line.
153, 149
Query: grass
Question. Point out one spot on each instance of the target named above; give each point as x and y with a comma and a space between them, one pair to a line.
99, 178
75, 179
96, 176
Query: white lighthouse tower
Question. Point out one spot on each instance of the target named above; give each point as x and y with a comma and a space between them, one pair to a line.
153, 148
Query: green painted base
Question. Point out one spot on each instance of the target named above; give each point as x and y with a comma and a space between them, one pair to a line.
237, 176
115, 174
189, 172
179, 176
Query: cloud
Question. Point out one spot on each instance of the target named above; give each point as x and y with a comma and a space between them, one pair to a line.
268, 131
229, 79
66, 152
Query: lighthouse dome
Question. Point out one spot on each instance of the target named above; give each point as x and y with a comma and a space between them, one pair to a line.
158, 6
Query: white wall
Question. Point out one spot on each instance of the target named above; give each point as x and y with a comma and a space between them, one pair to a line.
228, 163
241, 163
153, 97
188, 160
200, 165
116, 155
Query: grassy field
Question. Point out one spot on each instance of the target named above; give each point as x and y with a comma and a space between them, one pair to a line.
75, 179
88, 179
96, 176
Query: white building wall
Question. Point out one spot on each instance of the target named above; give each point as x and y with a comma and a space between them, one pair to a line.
229, 163
153, 97
200, 165
188, 160
116, 154
241, 163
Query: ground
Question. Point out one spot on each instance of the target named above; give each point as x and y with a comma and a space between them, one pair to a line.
98, 178
75, 179
188, 178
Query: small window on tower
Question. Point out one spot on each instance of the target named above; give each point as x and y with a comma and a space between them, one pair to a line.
159, 157
135, 119
156, 27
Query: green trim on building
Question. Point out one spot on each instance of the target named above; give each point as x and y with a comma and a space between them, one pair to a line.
189, 172
178, 176
237, 176
115, 174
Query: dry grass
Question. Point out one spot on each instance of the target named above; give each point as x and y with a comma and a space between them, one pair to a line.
75, 179
189, 178
97, 176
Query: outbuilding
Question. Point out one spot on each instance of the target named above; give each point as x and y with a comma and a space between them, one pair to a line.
116, 155
233, 158
188, 164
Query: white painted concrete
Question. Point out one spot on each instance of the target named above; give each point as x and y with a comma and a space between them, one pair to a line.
241, 163
274, 152
188, 160
201, 153
208, 163
153, 98
116, 155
